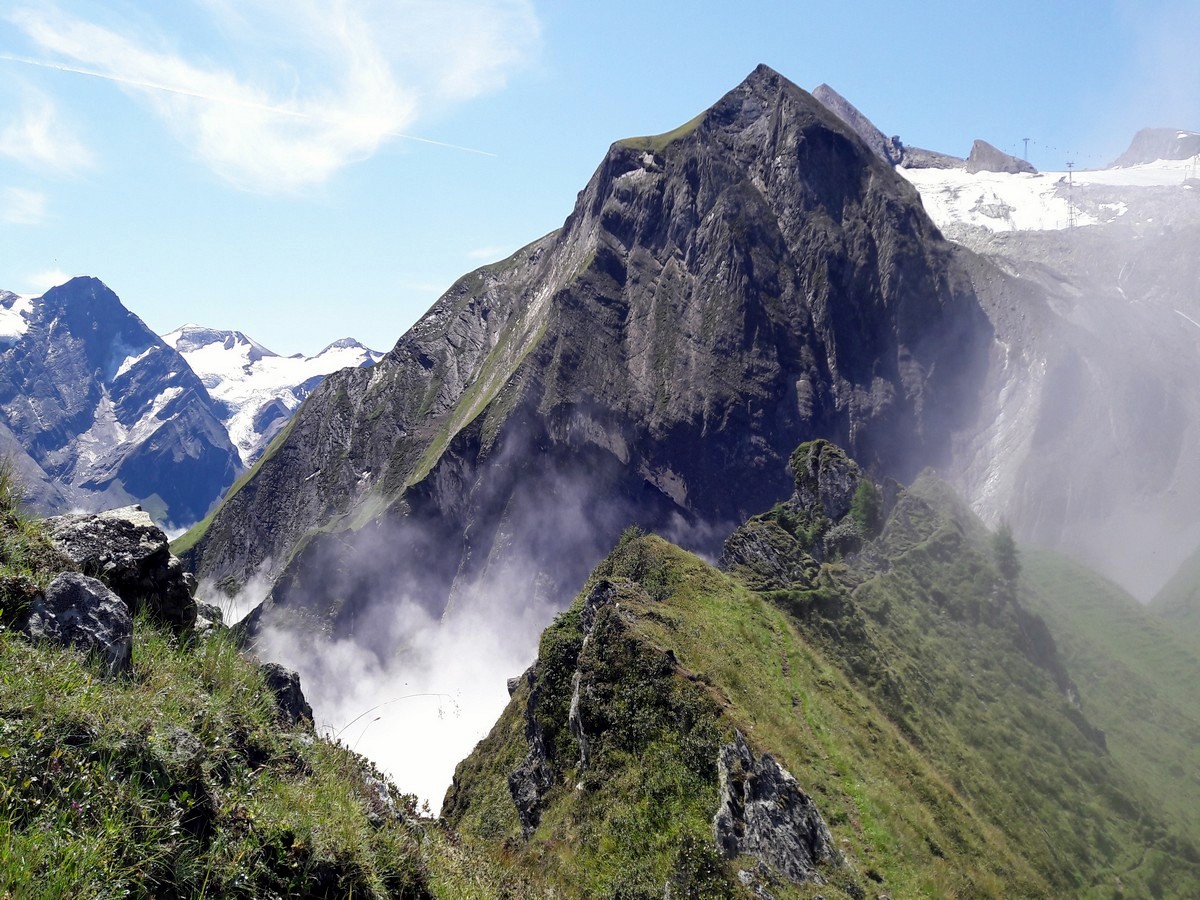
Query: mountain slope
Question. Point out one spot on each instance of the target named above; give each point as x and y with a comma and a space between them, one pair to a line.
1136, 672
1179, 600
105, 412
719, 293
872, 641
256, 389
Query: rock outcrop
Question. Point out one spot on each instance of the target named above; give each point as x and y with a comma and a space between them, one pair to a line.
986, 158
1152, 144
130, 554
529, 782
891, 150
765, 814
284, 684
78, 611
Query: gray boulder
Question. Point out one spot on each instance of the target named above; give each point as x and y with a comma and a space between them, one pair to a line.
78, 611
208, 618
986, 158
763, 813
289, 698
129, 553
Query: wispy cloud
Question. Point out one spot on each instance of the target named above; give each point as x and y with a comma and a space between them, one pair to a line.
347, 78
40, 282
19, 206
39, 137
487, 254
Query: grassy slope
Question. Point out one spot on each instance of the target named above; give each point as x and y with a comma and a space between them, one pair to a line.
1179, 600
179, 780
1137, 674
902, 694
896, 818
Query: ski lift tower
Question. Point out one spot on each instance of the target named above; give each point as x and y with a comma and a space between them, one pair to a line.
1072, 220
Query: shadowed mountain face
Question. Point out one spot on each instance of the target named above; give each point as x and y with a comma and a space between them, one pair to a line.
721, 292
99, 412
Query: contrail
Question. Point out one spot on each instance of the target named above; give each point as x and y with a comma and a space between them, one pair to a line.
214, 98
1189, 318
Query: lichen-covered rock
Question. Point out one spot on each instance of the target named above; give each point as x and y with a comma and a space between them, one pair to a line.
78, 611
130, 554
765, 814
529, 782
826, 478
289, 698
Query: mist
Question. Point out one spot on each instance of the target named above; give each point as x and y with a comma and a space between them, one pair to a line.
406, 631
419, 710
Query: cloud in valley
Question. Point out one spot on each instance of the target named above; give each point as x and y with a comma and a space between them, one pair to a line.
335, 83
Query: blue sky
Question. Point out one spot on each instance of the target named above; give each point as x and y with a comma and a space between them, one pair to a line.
250, 164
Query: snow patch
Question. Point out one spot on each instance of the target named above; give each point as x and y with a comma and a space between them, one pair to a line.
15, 314
131, 361
247, 378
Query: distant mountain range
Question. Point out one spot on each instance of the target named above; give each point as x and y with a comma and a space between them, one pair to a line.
97, 411
257, 390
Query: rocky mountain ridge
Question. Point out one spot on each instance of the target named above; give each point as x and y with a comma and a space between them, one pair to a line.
689, 732
718, 293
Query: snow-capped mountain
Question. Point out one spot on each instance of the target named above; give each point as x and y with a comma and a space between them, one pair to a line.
96, 411
256, 389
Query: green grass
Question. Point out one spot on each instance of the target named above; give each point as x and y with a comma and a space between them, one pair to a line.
1179, 599
907, 686
179, 781
659, 142
1137, 673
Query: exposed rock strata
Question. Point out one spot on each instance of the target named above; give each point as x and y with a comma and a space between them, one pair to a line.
765, 814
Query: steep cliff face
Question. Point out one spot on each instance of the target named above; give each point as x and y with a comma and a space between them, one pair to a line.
103, 411
719, 293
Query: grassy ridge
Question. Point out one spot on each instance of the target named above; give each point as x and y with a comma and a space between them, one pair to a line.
901, 674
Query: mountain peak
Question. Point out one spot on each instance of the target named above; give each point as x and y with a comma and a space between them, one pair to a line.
1152, 144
